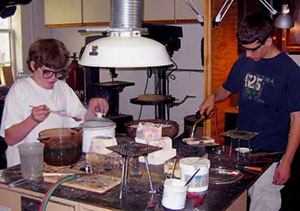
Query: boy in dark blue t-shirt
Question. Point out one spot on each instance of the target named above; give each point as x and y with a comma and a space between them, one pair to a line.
269, 94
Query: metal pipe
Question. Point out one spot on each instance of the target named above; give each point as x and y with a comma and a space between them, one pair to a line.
126, 13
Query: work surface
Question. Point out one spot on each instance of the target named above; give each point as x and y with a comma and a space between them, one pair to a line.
136, 194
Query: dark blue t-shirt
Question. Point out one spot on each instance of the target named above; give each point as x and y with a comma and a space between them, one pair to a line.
269, 90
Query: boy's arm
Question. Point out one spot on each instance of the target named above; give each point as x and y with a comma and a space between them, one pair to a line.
19, 131
208, 104
282, 173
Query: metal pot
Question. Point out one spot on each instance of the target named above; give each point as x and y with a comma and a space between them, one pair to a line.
63, 146
97, 126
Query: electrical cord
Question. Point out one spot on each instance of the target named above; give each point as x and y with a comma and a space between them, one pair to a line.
52, 189
149, 74
171, 76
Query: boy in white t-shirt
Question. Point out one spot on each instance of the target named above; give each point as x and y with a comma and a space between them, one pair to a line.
29, 100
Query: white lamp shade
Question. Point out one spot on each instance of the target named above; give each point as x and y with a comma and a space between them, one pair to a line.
284, 21
125, 52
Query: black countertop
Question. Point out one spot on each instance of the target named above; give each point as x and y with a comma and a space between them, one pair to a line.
136, 195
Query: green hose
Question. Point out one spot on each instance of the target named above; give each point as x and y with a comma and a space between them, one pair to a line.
54, 188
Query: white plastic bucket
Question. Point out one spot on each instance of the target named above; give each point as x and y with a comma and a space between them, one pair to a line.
174, 194
96, 126
89, 133
188, 166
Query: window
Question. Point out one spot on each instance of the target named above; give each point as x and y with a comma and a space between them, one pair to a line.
6, 52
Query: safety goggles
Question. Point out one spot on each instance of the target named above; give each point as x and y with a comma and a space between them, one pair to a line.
241, 43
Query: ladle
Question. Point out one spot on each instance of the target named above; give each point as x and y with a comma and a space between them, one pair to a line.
63, 114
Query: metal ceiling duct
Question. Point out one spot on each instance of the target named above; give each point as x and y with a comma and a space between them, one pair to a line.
126, 13
125, 48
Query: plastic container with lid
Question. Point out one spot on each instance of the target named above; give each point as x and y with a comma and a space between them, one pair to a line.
174, 194
188, 166
97, 126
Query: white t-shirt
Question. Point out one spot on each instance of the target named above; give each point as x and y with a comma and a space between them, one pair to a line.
25, 93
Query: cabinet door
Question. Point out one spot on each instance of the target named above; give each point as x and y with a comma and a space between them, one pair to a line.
9, 200
62, 12
182, 12
60, 207
86, 207
159, 10
96, 11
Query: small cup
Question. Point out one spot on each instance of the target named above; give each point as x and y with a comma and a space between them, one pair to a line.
32, 159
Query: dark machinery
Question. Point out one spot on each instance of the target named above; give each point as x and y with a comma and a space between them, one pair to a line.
8, 7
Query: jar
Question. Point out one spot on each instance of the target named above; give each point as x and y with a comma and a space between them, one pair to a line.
97, 126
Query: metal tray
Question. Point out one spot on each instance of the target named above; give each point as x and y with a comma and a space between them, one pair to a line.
220, 176
240, 134
200, 142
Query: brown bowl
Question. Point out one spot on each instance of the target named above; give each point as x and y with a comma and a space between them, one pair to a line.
169, 128
63, 146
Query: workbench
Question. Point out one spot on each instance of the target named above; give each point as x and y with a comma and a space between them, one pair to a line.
136, 194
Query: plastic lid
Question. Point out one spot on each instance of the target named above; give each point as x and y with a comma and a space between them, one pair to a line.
195, 162
243, 150
96, 122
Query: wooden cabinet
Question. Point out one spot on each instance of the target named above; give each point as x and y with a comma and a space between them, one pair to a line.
9, 200
158, 10
96, 12
63, 12
15, 199
76, 12
21, 199
170, 11
240, 203
183, 13
85, 207
59, 13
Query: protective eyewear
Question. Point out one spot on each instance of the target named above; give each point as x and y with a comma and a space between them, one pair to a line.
61, 74
252, 49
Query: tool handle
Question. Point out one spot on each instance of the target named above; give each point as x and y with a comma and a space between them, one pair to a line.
188, 182
17, 183
200, 201
253, 168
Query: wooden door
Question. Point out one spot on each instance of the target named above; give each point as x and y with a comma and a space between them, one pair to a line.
220, 52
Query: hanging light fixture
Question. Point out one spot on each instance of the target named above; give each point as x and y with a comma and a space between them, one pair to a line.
125, 47
284, 20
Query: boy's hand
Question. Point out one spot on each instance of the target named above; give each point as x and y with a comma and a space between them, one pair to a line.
207, 107
40, 113
98, 104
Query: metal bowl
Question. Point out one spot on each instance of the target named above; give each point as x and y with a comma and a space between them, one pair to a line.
169, 128
63, 146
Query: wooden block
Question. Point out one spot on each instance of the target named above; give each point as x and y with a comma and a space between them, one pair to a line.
94, 182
